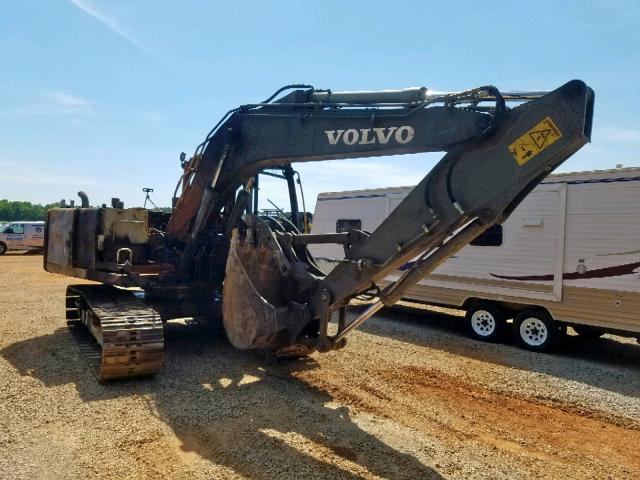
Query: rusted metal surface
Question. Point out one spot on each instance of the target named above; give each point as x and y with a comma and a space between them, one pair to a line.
255, 311
129, 225
128, 332
60, 233
151, 269
131, 279
85, 241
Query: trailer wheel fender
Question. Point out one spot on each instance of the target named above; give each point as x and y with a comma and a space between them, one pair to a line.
485, 320
3, 248
535, 329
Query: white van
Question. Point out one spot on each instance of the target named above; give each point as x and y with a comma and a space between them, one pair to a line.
22, 236
568, 255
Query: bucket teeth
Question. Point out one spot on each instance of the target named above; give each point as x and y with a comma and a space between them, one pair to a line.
256, 312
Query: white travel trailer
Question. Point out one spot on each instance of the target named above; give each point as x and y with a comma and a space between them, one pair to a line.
22, 236
568, 255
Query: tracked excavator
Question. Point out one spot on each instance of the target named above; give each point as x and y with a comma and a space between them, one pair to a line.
216, 256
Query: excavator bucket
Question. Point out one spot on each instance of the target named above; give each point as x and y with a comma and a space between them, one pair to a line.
256, 314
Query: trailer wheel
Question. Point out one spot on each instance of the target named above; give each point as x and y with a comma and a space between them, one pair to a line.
536, 330
3, 248
485, 321
587, 331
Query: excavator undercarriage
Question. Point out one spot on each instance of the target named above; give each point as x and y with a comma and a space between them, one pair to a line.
128, 331
216, 255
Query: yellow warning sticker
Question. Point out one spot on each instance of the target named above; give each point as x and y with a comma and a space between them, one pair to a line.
535, 140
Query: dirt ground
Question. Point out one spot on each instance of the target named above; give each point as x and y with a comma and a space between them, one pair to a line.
410, 397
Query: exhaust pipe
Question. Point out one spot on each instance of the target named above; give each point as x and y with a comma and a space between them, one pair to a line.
85, 199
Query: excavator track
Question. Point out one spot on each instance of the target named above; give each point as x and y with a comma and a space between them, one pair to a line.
127, 334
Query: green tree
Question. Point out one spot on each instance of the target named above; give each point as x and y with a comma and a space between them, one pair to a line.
12, 210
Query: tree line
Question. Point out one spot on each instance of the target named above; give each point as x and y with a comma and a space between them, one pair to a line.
12, 210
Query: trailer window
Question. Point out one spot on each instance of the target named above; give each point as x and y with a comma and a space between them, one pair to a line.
346, 224
491, 237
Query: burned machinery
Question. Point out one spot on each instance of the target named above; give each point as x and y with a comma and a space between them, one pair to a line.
215, 245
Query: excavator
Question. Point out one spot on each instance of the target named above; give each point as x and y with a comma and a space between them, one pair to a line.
216, 256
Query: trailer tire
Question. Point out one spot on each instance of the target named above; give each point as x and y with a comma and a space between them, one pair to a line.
3, 248
535, 330
486, 321
587, 331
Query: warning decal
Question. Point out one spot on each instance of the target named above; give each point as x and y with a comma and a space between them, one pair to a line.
534, 141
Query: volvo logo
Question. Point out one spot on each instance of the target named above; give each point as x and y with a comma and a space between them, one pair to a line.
370, 136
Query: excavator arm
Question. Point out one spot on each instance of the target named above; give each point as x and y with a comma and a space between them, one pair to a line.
275, 297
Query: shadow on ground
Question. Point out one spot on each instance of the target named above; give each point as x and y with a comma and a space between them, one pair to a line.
230, 407
604, 363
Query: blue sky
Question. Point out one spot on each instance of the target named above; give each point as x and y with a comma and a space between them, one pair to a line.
103, 95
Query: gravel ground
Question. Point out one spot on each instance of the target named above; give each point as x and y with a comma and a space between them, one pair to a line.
410, 397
